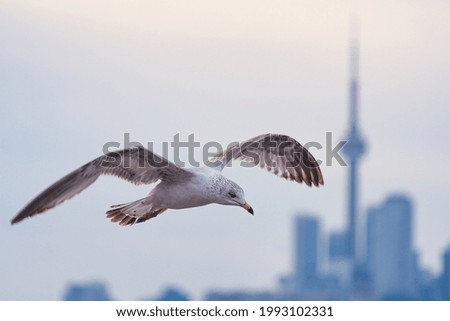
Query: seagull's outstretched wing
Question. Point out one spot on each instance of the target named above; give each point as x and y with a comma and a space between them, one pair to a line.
280, 154
136, 165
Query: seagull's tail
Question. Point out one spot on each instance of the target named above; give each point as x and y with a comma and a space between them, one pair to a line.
134, 212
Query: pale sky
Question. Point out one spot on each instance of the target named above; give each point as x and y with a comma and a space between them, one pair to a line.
77, 74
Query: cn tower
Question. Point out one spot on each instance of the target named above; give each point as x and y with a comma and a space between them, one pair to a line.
354, 149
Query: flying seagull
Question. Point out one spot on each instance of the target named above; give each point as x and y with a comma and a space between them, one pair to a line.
180, 187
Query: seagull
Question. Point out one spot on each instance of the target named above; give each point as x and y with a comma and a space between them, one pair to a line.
178, 187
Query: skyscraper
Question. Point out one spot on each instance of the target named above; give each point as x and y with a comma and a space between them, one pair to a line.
340, 266
305, 253
354, 150
390, 255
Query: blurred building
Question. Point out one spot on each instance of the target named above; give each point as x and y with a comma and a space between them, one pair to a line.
306, 246
390, 256
95, 291
445, 278
173, 294
340, 264
242, 295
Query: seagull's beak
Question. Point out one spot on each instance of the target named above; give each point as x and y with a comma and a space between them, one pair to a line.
248, 208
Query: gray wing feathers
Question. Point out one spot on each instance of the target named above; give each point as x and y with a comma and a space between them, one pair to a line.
136, 165
279, 154
62, 190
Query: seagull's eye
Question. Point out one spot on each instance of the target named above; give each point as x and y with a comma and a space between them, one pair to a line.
232, 194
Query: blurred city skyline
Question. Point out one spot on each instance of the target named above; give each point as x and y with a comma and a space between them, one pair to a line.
388, 269
79, 74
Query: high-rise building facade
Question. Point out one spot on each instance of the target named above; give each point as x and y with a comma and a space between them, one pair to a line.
390, 254
306, 245
340, 266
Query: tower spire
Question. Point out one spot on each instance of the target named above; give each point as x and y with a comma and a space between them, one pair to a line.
355, 147
354, 74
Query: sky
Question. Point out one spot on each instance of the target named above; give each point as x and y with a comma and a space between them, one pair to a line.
75, 75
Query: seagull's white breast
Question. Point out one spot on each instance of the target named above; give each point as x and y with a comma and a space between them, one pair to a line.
200, 189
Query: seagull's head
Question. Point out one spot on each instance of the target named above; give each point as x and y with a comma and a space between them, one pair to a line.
233, 194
